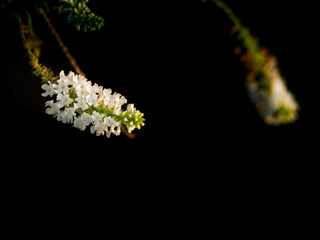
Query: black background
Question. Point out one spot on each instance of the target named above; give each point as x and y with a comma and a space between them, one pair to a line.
175, 62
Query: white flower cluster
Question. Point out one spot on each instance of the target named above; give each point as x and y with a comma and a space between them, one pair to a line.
270, 103
83, 104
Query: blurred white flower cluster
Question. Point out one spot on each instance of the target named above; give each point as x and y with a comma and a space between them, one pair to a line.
267, 89
80, 103
275, 104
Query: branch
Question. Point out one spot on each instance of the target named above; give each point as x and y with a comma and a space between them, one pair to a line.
72, 60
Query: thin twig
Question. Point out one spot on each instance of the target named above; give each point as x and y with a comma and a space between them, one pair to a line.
72, 60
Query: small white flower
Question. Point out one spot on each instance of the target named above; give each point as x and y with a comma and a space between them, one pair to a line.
59, 116
86, 118
63, 100
53, 108
99, 128
71, 77
81, 103
97, 117
107, 92
108, 120
67, 79
82, 90
116, 111
117, 131
130, 129
62, 75
130, 108
62, 86
92, 99
79, 123
123, 100
112, 129
114, 122
113, 101
68, 115
108, 133
96, 89
49, 90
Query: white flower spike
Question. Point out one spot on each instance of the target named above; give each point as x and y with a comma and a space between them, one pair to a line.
76, 100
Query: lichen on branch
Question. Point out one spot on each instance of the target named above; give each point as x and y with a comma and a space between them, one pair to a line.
32, 44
